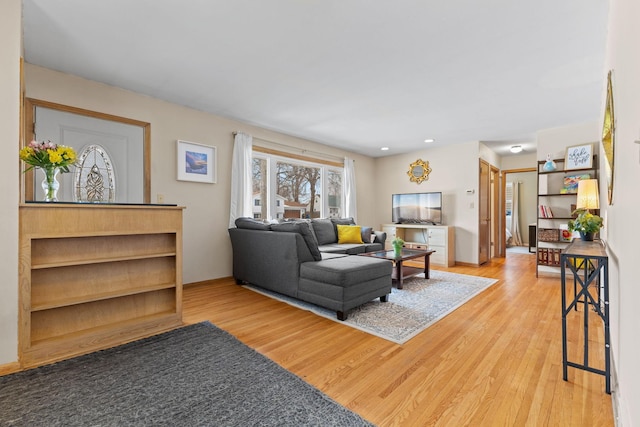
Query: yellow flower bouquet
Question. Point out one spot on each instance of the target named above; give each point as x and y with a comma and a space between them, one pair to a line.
51, 158
47, 155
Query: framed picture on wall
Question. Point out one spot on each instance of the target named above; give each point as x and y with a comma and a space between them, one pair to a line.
196, 162
579, 157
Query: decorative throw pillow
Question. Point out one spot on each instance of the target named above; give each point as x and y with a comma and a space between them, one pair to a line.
366, 234
324, 231
303, 228
349, 234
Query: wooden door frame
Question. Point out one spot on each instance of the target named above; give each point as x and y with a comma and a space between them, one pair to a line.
481, 220
503, 206
496, 223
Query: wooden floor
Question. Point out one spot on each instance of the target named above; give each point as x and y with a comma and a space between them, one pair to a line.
495, 361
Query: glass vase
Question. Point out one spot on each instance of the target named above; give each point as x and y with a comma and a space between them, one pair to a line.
50, 184
397, 251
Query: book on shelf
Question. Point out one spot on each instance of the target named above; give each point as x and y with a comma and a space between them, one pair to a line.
545, 212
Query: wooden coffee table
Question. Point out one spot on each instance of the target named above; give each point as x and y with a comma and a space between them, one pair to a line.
400, 271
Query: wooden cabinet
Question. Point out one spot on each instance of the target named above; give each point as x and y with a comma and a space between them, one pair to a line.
556, 202
440, 238
95, 276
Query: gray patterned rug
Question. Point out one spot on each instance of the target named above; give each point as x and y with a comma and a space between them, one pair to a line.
410, 310
198, 375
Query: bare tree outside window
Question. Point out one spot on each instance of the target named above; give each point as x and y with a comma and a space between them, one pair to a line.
260, 187
299, 189
334, 192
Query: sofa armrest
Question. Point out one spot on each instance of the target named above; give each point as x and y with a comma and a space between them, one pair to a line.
381, 237
269, 259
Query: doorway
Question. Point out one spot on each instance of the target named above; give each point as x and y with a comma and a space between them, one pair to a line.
523, 183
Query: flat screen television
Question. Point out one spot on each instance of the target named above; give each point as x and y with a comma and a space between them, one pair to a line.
419, 208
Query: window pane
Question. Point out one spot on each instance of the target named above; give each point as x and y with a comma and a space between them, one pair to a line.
334, 193
299, 188
260, 188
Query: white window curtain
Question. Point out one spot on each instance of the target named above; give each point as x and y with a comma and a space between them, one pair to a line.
241, 180
515, 215
350, 189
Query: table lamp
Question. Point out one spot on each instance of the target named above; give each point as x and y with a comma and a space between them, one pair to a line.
588, 194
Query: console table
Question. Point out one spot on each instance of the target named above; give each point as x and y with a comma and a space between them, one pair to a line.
588, 264
440, 238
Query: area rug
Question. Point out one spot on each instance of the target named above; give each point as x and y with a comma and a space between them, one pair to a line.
410, 310
197, 375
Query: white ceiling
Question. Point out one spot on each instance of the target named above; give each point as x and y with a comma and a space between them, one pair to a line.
361, 74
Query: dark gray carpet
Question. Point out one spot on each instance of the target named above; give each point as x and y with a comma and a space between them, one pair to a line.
198, 375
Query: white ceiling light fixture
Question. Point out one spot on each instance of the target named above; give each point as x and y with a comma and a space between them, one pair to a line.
428, 140
516, 148
385, 149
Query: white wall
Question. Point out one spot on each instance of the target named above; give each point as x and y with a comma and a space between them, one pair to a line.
621, 230
207, 249
454, 170
10, 50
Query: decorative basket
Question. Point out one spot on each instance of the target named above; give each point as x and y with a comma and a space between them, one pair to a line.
548, 234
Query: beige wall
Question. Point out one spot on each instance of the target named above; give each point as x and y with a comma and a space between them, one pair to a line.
10, 49
621, 230
519, 162
207, 250
454, 171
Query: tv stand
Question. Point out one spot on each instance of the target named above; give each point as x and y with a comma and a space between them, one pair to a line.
440, 238
417, 221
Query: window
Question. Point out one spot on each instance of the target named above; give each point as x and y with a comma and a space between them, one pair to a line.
294, 188
509, 198
256, 202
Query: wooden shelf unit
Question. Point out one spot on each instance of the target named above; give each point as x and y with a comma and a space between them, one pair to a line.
96, 276
440, 238
550, 184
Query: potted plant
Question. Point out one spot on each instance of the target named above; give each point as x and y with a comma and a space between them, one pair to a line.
586, 223
397, 245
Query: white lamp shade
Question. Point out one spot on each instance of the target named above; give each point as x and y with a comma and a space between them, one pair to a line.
588, 194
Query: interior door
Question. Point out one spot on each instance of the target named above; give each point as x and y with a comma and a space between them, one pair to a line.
484, 224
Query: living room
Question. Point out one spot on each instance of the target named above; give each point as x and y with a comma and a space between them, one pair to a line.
207, 254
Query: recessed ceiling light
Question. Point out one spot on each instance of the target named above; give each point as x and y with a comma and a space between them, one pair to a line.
516, 148
385, 148
429, 140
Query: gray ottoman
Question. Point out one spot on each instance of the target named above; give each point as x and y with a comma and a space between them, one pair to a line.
346, 282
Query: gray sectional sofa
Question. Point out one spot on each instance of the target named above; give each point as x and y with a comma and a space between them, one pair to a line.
288, 258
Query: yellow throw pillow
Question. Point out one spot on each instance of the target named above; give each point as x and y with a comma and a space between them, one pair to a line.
349, 234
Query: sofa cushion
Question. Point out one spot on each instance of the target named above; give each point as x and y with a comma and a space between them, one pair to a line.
252, 224
303, 228
325, 231
343, 221
349, 234
367, 234
345, 248
346, 271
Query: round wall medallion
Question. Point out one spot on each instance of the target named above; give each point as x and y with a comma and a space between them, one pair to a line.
419, 171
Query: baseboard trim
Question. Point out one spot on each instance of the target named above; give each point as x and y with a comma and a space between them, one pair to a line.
467, 264
210, 281
10, 368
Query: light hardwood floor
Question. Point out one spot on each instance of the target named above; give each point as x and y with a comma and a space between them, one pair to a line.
495, 361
